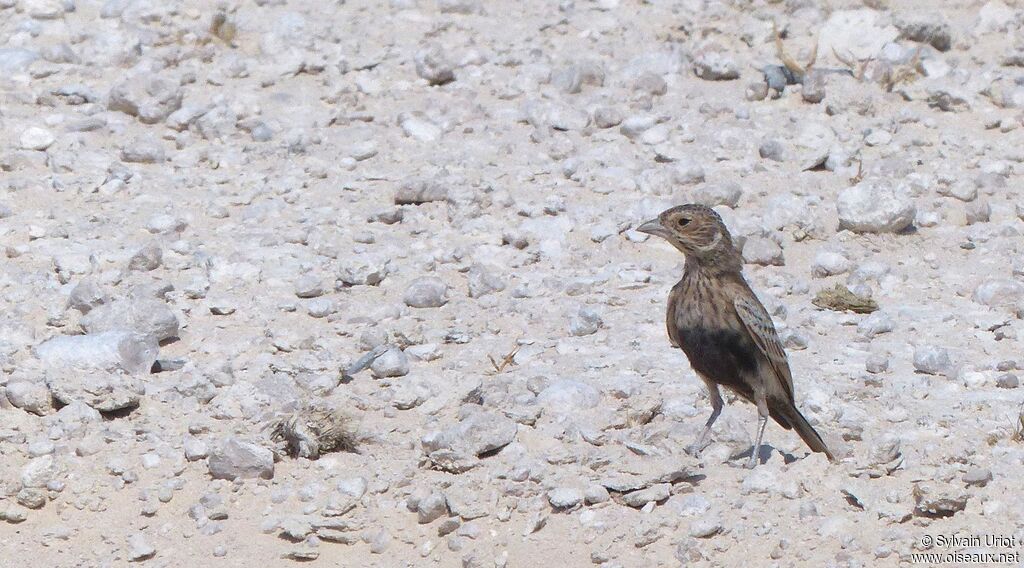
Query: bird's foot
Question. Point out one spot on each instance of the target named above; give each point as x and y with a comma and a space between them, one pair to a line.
696, 448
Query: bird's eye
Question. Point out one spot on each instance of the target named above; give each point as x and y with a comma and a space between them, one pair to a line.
683, 221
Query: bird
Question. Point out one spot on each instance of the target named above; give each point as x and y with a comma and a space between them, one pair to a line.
716, 319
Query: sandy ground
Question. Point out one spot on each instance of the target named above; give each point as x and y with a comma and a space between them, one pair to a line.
256, 195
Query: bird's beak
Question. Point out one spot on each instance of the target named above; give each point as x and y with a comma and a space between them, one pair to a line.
653, 227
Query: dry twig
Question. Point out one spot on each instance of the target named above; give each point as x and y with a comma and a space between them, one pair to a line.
508, 359
791, 64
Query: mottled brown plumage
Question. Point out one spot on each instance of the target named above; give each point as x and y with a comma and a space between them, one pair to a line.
727, 335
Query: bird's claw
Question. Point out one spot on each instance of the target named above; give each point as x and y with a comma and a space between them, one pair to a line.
696, 448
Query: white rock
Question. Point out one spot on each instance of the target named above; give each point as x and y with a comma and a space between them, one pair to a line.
655, 493
607, 117
478, 432
760, 480
149, 97
354, 487
714, 65
688, 171
565, 497
997, 292
978, 212
392, 363
706, 527
363, 270
15, 60
150, 460
932, 360
812, 145
139, 548
585, 322
425, 352
433, 65
363, 150
828, 263
568, 396
595, 494
419, 128
195, 449
426, 292
185, 116
859, 34
77, 416
38, 472
978, 476
763, 251
30, 396
874, 207
165, 224
689, 505
148, 258
876, 324
565, 117
309, 286
103, 390
143, 150
44, 9
573, 78
994, 16
634, 126
713, 195
216, 123
482, 281
878, 138
237, 459
240, 400
417, 191
876, 363
35, 138
431, 508
110, 350
149, 317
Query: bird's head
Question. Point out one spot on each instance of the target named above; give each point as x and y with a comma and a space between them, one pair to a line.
697, 231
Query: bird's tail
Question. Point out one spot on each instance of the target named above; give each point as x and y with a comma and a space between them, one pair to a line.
803, 428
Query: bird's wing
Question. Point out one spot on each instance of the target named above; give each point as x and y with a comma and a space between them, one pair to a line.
670, 318
759, 324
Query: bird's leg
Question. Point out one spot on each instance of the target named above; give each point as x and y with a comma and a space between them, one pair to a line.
762, 421
716, 411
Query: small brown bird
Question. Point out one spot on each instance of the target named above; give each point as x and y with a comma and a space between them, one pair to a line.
727, 335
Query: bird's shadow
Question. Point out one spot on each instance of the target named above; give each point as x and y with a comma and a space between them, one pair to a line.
763, 455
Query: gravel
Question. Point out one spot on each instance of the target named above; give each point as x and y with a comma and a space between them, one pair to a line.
283, 279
